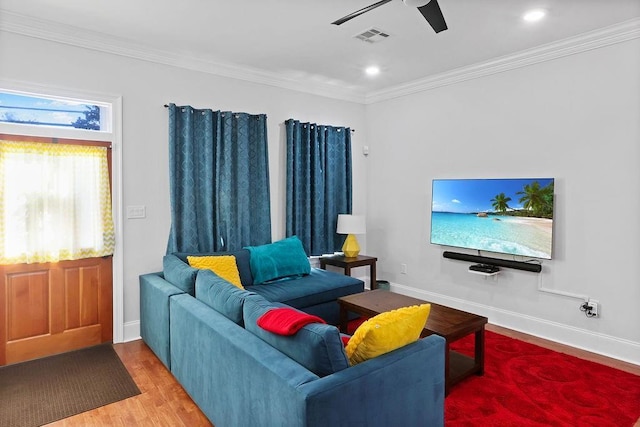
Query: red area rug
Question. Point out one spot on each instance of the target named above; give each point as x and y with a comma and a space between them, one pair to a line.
527, 385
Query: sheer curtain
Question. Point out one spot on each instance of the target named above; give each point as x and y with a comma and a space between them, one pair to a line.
219, 180
318, 183
55, 202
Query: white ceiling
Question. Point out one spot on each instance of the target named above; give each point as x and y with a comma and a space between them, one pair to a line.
293, 40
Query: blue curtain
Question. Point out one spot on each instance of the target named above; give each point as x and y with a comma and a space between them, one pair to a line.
318, 184
219, 180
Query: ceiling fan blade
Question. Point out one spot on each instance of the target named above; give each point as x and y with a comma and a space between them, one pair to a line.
432, 13
359, 12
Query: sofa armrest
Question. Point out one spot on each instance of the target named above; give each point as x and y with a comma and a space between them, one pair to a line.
403, 387
155, 293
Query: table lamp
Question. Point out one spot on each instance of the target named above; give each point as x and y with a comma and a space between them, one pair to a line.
351, 225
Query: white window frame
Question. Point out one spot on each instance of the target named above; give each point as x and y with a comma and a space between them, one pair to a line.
106, 117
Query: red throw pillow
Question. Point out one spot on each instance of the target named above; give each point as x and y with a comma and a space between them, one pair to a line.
286, 321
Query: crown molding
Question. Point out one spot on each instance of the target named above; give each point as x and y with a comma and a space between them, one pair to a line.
607, 36
47, 30
69, 35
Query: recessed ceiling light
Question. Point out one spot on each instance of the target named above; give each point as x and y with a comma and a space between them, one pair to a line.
534, 15
372, 70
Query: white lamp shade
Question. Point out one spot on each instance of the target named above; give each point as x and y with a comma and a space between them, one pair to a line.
351, 224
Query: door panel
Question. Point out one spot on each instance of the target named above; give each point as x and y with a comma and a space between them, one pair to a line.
54, 307
29, 296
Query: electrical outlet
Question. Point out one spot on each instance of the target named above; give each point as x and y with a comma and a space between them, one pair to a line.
592, 308
403, 268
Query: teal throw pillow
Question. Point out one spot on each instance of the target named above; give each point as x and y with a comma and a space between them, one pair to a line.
283, 258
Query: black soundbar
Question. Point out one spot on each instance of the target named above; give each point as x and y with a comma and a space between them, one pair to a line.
518, 265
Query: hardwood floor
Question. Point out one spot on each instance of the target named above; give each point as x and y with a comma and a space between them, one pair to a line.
164, 402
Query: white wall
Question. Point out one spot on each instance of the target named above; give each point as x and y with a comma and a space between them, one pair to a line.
575, 118
145, 87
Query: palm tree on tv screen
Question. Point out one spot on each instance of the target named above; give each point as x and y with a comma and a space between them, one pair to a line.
501, 202
538, 200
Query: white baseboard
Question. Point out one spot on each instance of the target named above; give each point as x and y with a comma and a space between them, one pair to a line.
131, 331
606, 345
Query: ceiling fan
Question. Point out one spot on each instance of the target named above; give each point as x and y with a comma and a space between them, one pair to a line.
429, 9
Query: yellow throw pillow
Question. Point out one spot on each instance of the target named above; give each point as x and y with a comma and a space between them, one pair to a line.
223, 265
386, 332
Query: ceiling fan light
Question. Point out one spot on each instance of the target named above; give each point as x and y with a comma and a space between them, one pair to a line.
415, 3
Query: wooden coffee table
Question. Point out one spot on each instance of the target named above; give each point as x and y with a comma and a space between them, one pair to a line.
449, 323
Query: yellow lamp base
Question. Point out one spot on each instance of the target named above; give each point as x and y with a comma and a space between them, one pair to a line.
351, 248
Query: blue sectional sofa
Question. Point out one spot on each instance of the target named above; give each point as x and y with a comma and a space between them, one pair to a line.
314, 293
242, 375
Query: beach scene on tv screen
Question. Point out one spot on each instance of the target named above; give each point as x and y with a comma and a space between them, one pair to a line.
509, 216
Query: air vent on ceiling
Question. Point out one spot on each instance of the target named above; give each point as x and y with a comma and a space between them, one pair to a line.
372, 35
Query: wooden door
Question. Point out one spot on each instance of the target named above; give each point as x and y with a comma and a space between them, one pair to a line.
50, 308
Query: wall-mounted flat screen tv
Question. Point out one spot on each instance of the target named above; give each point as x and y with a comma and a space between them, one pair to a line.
507, 216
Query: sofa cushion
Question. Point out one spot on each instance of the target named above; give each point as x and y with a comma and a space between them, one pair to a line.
273, 261
319, 287
242, 262
386, 332
178, 273
223, 265
221, 295
315, 346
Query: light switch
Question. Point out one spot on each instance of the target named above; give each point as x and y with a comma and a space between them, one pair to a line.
135, 212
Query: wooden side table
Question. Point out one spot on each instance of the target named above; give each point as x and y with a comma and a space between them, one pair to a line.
348, 263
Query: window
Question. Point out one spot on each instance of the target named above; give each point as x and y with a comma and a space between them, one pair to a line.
56, 202
33, 110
